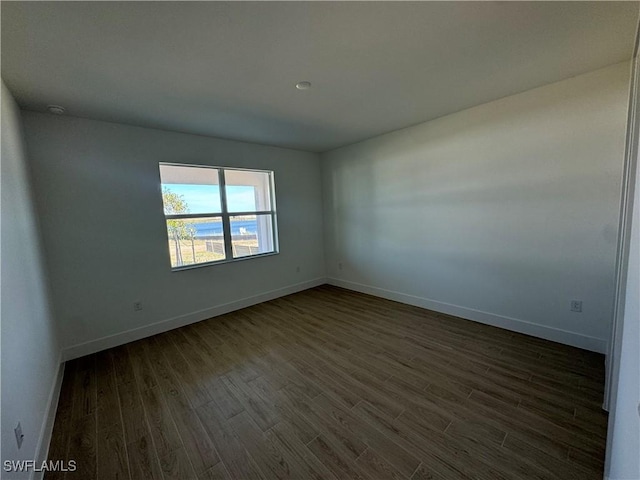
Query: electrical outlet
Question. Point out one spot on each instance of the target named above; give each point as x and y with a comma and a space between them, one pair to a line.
19, 435
137, 306
576, 306
298, 269
339, 265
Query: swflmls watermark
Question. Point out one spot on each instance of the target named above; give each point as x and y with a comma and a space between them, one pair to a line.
33, 466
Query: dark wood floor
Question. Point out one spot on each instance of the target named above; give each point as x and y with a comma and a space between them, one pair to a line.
329, 384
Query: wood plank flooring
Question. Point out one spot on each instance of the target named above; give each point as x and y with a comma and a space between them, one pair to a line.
332, 384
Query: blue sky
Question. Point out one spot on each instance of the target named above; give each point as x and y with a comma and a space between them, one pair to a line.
206, 198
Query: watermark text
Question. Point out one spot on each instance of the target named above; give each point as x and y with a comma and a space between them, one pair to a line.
45, 466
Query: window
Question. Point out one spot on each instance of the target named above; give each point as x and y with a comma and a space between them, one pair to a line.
217, 214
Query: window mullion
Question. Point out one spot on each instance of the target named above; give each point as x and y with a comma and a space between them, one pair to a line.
187, 216
254, 212
226, 224
274, 238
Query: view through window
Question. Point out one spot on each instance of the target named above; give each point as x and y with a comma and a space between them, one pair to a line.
217, 214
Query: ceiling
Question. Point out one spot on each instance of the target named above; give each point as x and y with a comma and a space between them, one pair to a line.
229, 69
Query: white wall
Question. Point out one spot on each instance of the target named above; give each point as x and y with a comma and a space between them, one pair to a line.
98, 193
502, 213
30, 352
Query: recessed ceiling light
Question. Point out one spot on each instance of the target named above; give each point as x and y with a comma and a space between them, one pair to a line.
303, 85
56, 109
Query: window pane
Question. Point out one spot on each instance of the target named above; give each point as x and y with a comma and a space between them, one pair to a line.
190, 189
247, 191
195, 240
251, 235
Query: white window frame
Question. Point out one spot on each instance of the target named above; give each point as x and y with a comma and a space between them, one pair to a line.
226, 215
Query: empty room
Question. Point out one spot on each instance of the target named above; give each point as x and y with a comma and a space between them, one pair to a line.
320, 240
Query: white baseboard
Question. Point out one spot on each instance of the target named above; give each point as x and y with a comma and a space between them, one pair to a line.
521, 326
110, 341
42, 448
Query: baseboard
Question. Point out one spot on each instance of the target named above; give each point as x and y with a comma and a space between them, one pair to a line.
516, 325
110, 341
42, 448
521, 326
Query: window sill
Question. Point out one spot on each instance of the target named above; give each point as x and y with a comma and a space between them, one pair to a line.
221, 262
